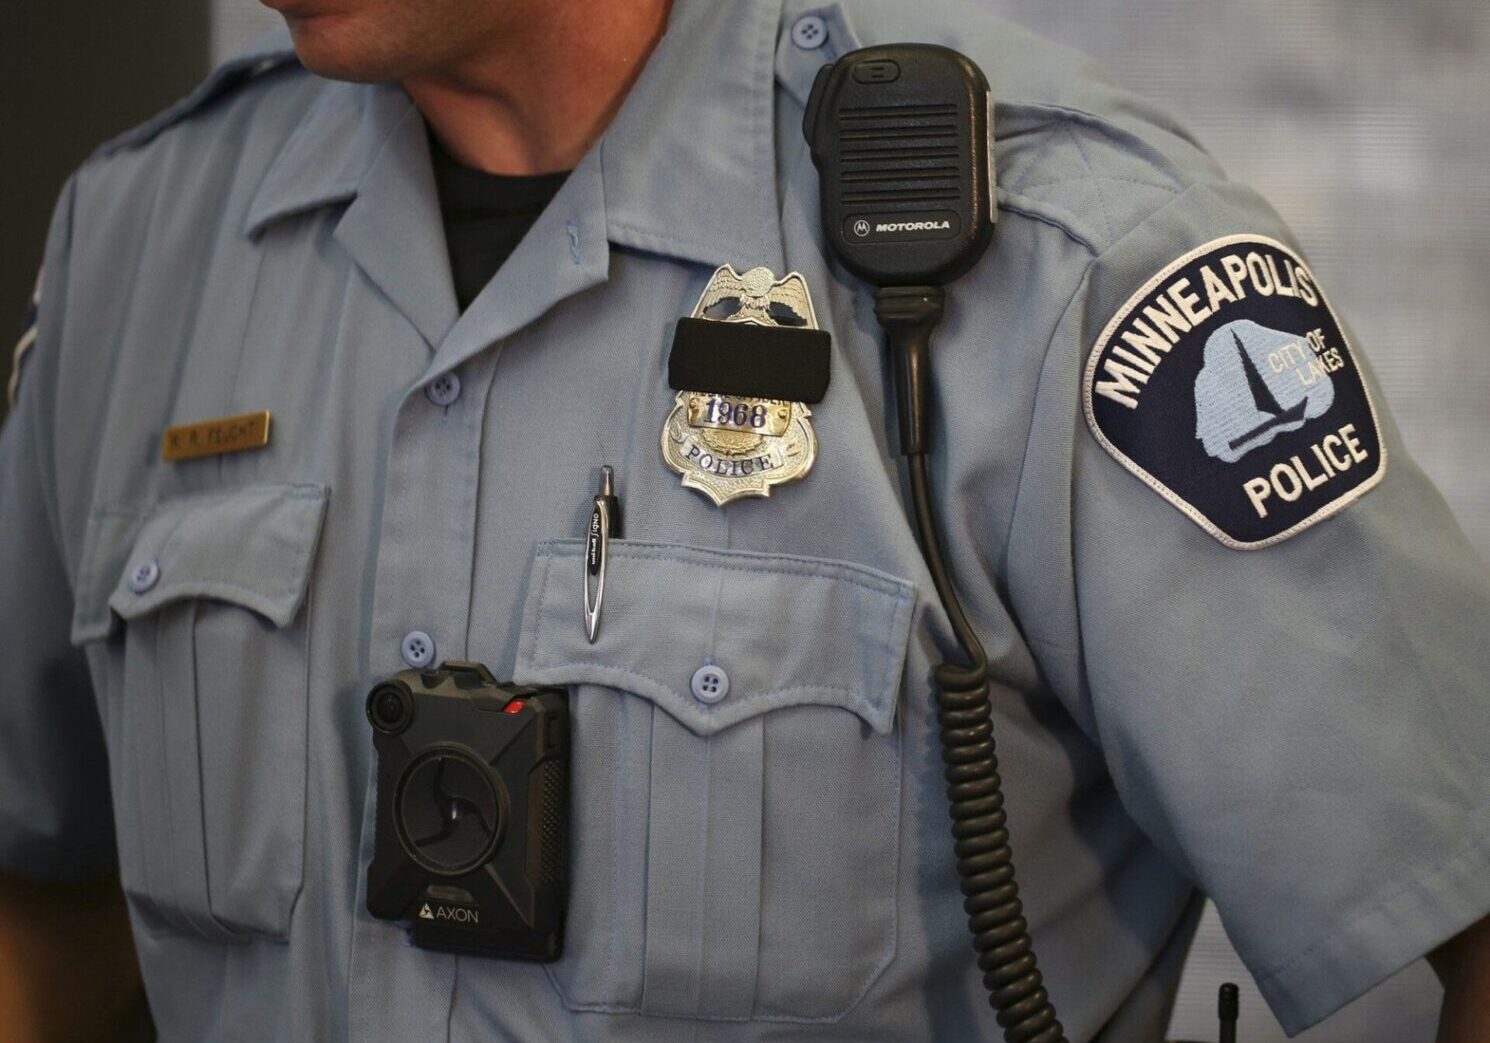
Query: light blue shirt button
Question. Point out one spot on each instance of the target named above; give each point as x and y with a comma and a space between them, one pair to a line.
810, 32
710, 684
418, 649
444, 389
144, 576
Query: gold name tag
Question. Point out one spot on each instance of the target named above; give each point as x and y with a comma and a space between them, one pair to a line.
229, 434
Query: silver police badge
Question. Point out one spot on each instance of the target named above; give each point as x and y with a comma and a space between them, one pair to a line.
728, 446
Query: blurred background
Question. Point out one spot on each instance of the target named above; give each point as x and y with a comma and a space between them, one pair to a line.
1366, 122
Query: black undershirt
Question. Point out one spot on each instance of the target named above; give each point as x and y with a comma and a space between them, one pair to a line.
485, 217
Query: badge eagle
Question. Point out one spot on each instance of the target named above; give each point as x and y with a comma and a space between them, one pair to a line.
730, 446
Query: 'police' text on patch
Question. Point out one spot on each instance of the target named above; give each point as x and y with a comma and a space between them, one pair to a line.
1228, 386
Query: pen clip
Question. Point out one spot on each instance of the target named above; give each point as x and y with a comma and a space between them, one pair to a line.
603, 522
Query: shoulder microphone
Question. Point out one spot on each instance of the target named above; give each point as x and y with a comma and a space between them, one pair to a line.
902, 140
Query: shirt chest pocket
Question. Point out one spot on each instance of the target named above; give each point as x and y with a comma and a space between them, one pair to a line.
735, 833
205, 711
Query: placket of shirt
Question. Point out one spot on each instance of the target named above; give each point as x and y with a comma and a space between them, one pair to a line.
428, 534
425, 552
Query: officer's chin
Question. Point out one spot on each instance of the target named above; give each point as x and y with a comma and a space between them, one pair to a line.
331, 47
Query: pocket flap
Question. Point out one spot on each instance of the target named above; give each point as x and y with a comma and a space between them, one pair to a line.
251, 546
787, 631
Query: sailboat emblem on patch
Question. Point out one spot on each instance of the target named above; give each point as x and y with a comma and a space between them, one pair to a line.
1255, 385
1228, 386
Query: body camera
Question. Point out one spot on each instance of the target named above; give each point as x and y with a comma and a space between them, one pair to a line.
472, 811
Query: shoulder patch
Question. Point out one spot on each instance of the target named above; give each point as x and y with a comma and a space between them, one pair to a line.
1227, 385
23, 346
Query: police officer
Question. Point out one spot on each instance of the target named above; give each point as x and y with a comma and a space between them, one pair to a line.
1238, 641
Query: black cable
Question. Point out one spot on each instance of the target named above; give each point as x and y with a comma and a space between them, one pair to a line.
1228, 1003
985, 862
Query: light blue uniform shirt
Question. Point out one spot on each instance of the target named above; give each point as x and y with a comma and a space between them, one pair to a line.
1298, 732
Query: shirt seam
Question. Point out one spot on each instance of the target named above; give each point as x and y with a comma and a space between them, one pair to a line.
1010, 202
1154, 157
1470, 848
1019, 484
1091, 176
748, 561
1025, 189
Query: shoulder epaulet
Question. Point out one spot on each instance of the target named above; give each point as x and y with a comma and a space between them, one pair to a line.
272, 51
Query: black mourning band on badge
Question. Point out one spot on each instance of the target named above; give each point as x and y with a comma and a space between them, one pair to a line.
740, 358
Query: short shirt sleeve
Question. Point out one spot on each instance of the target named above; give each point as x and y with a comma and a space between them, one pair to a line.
1277, 631
55, 813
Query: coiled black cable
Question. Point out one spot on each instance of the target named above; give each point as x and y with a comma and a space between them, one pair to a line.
985, 861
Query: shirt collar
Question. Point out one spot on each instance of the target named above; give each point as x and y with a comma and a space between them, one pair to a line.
689, 162
687, 165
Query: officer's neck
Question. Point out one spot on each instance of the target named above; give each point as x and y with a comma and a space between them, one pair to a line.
537, 99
